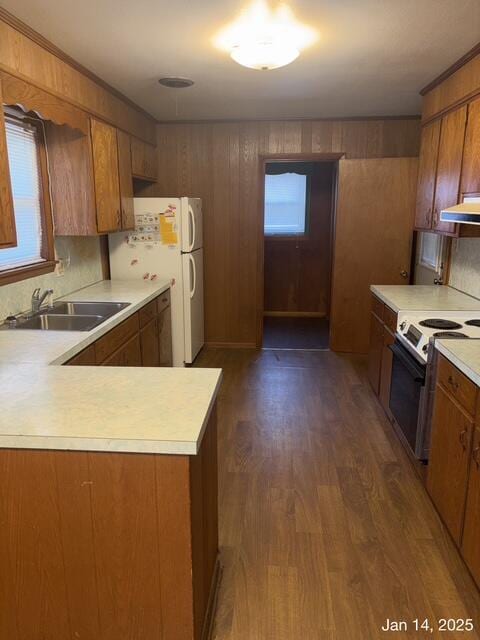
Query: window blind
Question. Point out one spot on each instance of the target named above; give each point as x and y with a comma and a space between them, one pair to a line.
25, 178
285, 203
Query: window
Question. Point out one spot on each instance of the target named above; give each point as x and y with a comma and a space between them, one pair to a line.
34, 251
431, 251
286, 196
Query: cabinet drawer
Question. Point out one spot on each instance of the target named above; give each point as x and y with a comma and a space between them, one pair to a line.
378, 308
457, 384
163, 301
147, 313
114, 339
390, 319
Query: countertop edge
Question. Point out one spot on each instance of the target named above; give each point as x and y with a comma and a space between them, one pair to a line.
374, 289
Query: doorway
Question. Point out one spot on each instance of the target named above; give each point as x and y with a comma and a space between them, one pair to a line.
298, 204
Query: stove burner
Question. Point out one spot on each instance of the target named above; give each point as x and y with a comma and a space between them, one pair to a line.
449, 334
473, 323
439, 323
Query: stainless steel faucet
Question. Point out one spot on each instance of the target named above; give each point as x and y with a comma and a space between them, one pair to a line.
37, 299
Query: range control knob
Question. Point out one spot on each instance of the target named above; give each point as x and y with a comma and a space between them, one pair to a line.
403, 325
425, 348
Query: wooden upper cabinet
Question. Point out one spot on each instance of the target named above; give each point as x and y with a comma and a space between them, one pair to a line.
91, 179
106, 178
471, 154
125, 178
448, 468
427, 171
471, 531
8, 235
449, 166
144, 160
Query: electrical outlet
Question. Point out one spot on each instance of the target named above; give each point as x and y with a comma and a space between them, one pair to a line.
60, 268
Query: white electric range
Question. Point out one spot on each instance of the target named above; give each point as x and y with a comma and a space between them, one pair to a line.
417, 330
414, 366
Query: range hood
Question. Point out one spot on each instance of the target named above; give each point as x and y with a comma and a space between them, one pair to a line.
468, 212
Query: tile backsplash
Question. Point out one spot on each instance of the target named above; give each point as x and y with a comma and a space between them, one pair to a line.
83, 266
465, 266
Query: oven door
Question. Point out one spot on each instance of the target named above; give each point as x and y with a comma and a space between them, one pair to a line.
407, 393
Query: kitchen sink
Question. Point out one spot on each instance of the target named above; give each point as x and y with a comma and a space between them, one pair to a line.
58, 322
104, 309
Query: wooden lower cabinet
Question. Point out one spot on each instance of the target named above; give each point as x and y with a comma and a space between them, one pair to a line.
386, 372
452, 430
108, 546
471, 531
165, 337
375, 352
129, 355
383, 324
143, 339
149, 340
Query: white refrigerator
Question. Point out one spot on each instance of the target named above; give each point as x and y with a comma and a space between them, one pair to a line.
167, 243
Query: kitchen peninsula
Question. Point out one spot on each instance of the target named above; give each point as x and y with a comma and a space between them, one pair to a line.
108, 521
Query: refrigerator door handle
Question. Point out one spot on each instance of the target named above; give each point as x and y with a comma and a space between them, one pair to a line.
194, 274
192, 227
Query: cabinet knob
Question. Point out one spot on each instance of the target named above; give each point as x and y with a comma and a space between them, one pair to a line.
404, 273
453, 382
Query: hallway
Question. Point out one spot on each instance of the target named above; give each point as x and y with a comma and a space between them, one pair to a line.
314, 490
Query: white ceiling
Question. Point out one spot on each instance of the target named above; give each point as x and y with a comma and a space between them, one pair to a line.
373, 56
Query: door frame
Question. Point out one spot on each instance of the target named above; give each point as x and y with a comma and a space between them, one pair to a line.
263, 159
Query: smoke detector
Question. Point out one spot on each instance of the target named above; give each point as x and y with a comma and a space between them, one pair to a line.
175, 82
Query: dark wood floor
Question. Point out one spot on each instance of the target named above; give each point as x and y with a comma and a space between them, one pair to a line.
295, 333
325, 529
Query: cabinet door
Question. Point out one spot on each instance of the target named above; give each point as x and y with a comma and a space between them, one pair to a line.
427, 169
8, 236
144, 159
449, 166
125, 179
471, 154
447, 478
164, 323
386, 371
150, 344
105, 171
128, 355
375, 352
84, 358
471, 532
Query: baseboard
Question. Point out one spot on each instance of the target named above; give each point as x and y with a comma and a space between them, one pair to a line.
295, 314
208, 623
231, 345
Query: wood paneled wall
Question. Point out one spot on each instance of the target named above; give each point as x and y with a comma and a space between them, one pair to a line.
297, 270
26, 55
460, 85
220, 163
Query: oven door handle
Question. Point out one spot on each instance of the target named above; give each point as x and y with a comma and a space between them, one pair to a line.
408, 362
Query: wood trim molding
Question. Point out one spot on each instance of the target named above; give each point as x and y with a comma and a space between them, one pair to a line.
300, 119
470, 97
22, 273
25, 95
231, 345
36, 37
474, 51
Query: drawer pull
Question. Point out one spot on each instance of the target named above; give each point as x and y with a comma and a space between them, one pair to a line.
476, 456
461, 437
453, 383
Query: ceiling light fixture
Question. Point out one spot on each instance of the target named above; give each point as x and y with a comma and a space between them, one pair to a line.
265, 38
175, 82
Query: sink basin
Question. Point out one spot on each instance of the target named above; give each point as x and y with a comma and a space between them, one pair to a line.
57, 322
104, 309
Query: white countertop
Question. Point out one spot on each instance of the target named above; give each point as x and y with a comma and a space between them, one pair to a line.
425, 298
464, 354
128, 409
